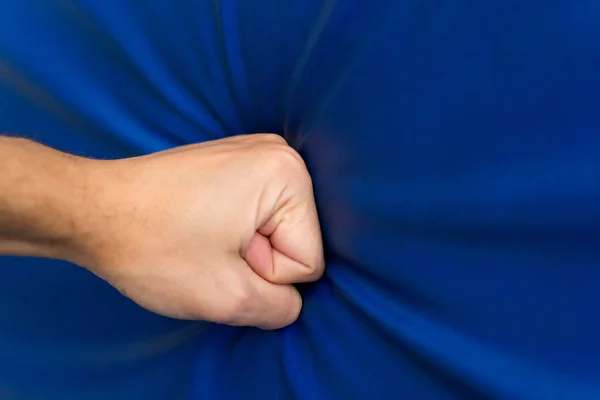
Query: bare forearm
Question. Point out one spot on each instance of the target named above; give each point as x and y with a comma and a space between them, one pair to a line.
42, 191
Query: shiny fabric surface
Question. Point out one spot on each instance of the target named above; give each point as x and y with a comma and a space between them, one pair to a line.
455, 151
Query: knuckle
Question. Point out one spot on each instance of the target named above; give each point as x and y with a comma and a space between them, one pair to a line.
270, 137
283, 158
293, 305
239, 304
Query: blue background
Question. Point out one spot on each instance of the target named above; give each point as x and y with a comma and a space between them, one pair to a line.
455, 151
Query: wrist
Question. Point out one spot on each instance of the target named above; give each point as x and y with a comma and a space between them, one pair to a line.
91, 213
82, 205
101, 214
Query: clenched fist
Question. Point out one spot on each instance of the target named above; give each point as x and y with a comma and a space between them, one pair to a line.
217, 231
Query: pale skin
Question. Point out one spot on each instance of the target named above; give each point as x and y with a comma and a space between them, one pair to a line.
218, 231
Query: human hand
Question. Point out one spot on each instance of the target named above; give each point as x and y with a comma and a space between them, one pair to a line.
217, 231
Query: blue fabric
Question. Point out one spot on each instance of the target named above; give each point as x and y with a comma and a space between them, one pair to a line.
455, 152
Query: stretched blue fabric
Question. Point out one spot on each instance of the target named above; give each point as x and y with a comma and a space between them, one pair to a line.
455, 153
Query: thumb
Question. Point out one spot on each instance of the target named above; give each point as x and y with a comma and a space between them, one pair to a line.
288, 248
